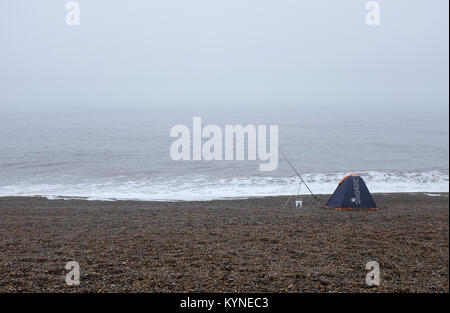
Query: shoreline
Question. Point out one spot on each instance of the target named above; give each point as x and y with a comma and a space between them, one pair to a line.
240, 245
323, 196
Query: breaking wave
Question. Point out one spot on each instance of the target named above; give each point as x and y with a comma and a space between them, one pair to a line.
205, 187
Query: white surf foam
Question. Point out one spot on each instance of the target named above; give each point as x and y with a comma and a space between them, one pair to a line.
198, 187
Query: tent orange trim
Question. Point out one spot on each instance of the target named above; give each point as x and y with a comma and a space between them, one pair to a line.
348, 208
346, 178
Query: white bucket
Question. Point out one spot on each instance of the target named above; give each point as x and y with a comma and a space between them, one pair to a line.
298, 203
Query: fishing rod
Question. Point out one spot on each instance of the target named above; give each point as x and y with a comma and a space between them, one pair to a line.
292, 166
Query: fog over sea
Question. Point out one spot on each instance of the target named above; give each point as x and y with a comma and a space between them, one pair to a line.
112, 155
86, 110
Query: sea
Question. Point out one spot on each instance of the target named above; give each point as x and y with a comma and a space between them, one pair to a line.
102, 154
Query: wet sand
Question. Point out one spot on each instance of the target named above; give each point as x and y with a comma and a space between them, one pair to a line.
251, 245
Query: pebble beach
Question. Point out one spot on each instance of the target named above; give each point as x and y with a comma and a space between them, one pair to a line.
236, 245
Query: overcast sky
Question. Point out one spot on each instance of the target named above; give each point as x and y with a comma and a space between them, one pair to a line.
237, 53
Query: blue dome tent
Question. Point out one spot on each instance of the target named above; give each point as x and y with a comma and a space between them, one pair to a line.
351, 194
